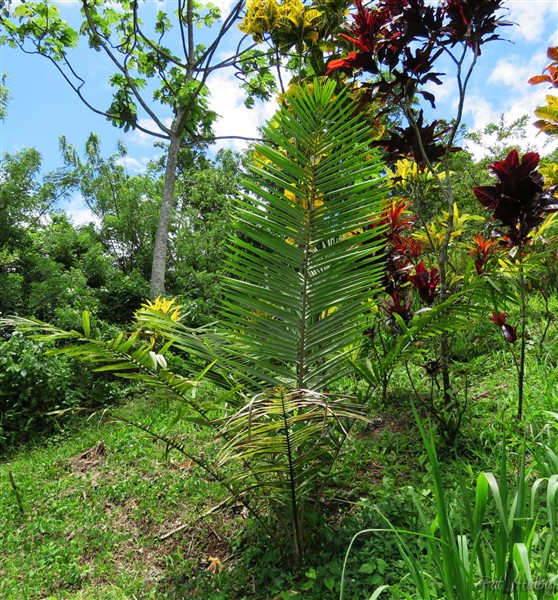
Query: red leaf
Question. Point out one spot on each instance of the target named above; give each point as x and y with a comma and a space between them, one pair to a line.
351, 62
498, 318
530, 161
426, 282
487, 195
539, 79
509, 333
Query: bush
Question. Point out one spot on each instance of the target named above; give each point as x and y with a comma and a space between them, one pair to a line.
32, 384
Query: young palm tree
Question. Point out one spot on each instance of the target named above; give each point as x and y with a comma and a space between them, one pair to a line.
302, 270
302, 267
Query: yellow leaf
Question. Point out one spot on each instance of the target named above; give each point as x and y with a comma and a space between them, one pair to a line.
215, 565
312, 36
165, 306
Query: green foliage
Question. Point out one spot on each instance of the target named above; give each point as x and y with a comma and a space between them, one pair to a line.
409, 342
101, 516
125, 206
299, 279
500, 540
40, 22
4, 98
32, 384
159, 65
23, 197
39, 25
95, 504
35, 384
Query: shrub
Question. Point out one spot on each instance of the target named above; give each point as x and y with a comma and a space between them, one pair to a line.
32, 384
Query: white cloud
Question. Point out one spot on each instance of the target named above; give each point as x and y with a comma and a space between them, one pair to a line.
514, 72
481, 110
485, 113
78, 211
531, 17
511, 97
227, 100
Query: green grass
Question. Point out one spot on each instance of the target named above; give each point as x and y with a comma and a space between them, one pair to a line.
99, 499
95, 508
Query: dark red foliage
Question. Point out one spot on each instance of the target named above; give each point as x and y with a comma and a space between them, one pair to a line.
473, 21
410, 248
403, 143
433, 367
498, 318
371, 25
398, 218
509, 332
517, 200
395, 305
400, 251
419, 65
405, 38
370, 29
426, 282
383, 36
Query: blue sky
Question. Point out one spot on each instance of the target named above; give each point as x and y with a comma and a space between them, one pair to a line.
43, 107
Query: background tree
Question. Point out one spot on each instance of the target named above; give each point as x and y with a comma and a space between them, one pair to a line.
207, 190
25, 201
159, 71
126, 207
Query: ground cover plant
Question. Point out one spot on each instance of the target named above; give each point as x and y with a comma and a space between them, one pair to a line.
93, 514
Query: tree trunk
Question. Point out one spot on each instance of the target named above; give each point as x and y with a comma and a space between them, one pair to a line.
159, 264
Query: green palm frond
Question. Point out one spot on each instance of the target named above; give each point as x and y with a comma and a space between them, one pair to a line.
127, 356
303, 264
286, 440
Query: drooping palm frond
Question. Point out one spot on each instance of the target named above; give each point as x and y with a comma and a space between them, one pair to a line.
287, 441
127, 356
303, 262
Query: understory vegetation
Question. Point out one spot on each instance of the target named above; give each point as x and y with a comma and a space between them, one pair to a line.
343, 383
103, 510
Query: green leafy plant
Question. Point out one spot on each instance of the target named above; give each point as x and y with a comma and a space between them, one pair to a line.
472, 547
410, 342
302, 271
32, 384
